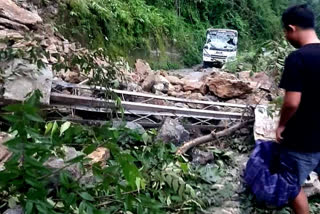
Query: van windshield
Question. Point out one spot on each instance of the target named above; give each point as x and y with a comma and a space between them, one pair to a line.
224, 41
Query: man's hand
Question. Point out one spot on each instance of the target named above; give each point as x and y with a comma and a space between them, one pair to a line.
279, 131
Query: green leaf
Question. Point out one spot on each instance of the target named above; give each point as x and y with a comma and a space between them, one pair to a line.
34, 117
29, 207
48, 127
64, 127
175, 185
86, 196
138, 183
54, 128
168, 201
181, 190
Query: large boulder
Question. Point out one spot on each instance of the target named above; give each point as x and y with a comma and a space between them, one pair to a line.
155, 82
257, 80
174, 80
142, 70
11, 11
225, 85
195, 82
173, 132
21, 78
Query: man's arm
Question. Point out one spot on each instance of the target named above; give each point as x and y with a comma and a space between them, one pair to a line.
289, 108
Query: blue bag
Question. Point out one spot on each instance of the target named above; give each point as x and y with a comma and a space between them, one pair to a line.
273, 182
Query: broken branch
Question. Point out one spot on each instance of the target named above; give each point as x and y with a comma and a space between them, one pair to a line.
213, 136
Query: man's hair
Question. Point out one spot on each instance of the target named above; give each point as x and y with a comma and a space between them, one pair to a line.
299, 15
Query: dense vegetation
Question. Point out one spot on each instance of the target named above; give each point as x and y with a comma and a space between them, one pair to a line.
141, 176
123, 27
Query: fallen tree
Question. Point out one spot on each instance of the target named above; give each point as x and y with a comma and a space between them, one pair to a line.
213, 136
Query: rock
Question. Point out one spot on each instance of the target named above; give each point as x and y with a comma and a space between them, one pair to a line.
4, 152
58, 163
226, 85
196, 96
265, 126
312, 186
10, 34
130, 125
174, 80
21, 78
173, 132
158, 88
11, 11
16, 210
258, 97
101, 155
155, 82
201, 157
134, 87
257, 80
262, 80
245, 75
142, 69
148, 82
72, 77
193, 85
12, 25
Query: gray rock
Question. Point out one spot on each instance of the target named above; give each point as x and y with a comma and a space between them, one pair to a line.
13, 12
201, 157
129, 125
172, 131
58, 163
16, 210
134, 87
21, 78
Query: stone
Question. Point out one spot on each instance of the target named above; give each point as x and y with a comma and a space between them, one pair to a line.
227, 86
21, 78
174, 80
11, 11
134, 87
193, 85
129, 125
72, 77
12, 25
4, 152
262, 80
142, 69
58, 163
158, 88
201, 157
265, 126
100, 155
312, 185
172, 131
148, 82
16, 210
10, 34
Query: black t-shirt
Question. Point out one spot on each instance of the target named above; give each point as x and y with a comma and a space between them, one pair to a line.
302, 74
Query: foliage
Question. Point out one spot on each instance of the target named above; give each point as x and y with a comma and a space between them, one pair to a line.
142, 176
120, 27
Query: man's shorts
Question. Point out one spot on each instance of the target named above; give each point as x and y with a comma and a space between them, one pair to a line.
305, 163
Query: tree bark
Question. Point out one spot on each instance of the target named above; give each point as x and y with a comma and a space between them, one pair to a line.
212, 137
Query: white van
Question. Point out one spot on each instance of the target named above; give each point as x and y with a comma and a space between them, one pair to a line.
221, 47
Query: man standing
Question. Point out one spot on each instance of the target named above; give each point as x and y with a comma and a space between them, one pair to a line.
299, 126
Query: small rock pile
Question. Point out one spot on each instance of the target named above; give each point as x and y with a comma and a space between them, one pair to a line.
209, 85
